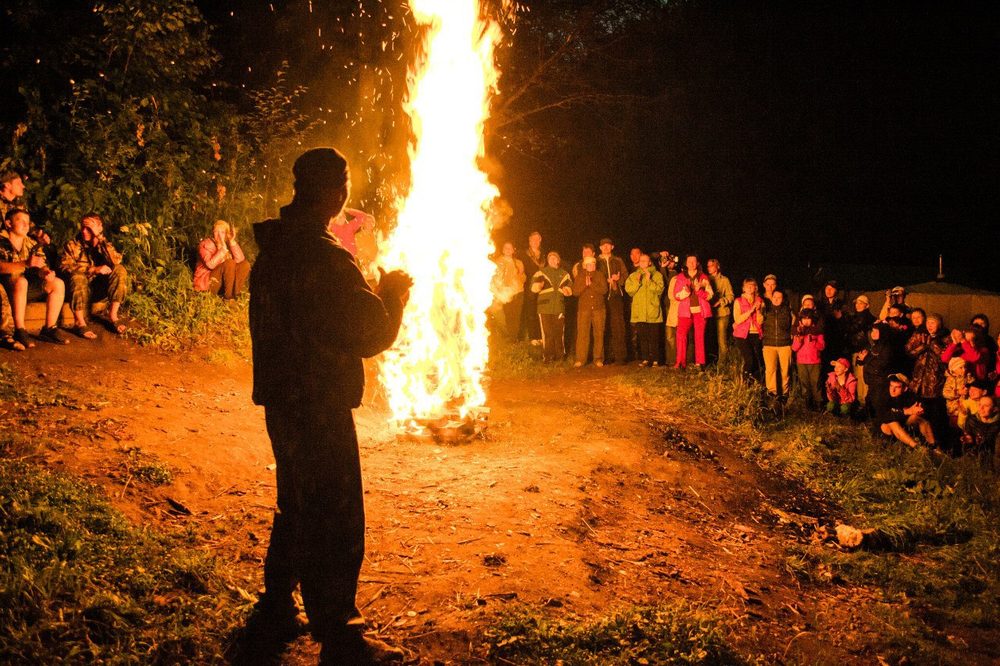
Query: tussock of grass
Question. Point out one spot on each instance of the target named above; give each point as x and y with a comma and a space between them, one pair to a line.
669, 634
79, 584
172, 315
146, 468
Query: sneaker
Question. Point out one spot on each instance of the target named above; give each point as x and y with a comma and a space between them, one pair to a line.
656, 364
599, 364
54, 335
360, 651
21, 336
643, 364
578, 364
265, 636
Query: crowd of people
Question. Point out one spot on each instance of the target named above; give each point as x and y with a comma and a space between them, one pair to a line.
901, 370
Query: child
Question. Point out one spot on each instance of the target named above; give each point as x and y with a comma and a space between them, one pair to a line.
807, 343
981, 430
956, 388
841, 388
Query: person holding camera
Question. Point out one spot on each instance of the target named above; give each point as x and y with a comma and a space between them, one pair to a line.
28, 279
693, 292
95, 270
645, 286
222, 267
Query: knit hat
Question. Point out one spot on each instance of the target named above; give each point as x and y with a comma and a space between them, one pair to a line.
956, 366
806, 297
589, 261
862, 299
841, 361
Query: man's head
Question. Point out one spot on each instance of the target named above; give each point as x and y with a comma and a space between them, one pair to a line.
898, 294
987, 407
606, 246
589, 264
553, 259
91, 227
535, 240
634, 255
11, 185
17, 221
978, 389
830, 289
587, 250
861, 303
643, 261
770, 282
322, 180
713, 266
897, 384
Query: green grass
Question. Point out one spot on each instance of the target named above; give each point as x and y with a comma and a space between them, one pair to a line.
936, 522
674, 633
80, 584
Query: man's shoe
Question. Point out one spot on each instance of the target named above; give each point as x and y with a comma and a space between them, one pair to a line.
21, 336
265, 636
54, 335
359, 651
599, 364
7, 341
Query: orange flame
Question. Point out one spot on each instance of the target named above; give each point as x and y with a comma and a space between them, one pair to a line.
442, 236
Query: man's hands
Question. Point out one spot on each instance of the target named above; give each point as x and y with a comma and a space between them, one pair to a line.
394, 285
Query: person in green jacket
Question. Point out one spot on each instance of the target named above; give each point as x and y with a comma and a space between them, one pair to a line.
722, 302
553, 285
645, 286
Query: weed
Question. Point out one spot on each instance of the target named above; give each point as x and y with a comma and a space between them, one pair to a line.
670, 634
146, 468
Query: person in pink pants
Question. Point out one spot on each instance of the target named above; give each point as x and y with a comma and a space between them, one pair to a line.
693, 291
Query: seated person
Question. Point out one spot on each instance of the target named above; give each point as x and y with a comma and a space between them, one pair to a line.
347, 225
969, 403
841, 388
222, 267
28, 278
901, 411
95, 271
981, 430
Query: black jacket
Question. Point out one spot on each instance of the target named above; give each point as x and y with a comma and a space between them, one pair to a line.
313, 316
777, 326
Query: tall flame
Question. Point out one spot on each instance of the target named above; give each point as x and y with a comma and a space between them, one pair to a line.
442, 236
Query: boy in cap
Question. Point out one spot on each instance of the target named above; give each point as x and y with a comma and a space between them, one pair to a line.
313, 318
841, 389
895, 296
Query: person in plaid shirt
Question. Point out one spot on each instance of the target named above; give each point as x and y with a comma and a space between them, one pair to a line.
95, 271
28, 278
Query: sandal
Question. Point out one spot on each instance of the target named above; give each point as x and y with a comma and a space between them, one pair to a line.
9, 342
54, 335
84, 332
117, 327
21, 336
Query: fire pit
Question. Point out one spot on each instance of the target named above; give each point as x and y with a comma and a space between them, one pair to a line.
451, 429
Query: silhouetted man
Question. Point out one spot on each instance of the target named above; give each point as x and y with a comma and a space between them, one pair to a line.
312, 319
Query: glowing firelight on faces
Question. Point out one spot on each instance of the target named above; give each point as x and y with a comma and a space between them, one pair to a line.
442, 236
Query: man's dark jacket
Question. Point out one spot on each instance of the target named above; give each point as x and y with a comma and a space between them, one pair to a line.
313, 317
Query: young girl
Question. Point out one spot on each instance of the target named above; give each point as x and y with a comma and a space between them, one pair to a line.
808, 343
747, 328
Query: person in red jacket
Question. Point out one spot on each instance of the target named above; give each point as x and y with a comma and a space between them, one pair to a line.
808, 344
693, 291
841, 389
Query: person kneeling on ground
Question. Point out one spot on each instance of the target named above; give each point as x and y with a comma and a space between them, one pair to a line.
28, 278
841, 389
901, 411
222, 267
95, 271
982, 429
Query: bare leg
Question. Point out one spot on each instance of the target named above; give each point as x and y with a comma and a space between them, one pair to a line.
19, 301
899, 432
56, 289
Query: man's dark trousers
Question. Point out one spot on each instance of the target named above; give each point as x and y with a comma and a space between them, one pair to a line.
318, 538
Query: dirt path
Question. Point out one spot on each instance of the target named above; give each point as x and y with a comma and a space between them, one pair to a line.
577, 500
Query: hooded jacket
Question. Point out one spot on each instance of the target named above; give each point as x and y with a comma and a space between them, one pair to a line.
645, 296
313, 317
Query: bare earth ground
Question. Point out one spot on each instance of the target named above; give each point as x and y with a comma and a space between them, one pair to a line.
573, 502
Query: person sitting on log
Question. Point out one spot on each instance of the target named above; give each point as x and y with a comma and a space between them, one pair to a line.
28, 279
96, 271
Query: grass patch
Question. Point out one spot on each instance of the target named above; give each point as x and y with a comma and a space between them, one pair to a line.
80, 584
146, 468
171, 315
670, 634
936, 546
518, 360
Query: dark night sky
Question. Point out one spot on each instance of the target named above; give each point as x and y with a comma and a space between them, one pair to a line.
768, 133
